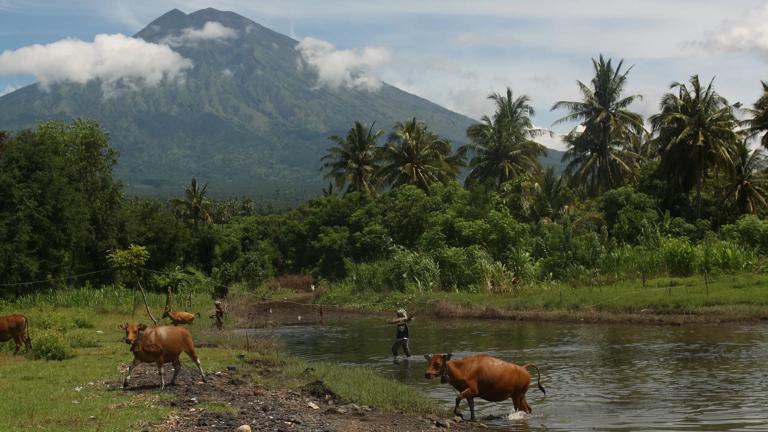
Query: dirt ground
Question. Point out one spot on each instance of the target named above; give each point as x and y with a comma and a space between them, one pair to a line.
228, 400
295, 311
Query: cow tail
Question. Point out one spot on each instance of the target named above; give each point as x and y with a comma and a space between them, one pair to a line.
538, 373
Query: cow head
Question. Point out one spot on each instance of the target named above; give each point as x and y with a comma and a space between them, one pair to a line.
436, 365
132, 331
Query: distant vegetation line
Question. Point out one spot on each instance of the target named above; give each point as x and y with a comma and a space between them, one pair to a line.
686, 197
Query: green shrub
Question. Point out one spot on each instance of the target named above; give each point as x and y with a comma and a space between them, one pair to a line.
83, 322
520, 265
455, 272
406, 271
82, 339
409, 271
51, 346
750, 231
680, 257
51, 321
720, 255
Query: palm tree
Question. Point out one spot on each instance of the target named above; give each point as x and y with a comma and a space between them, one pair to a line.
748, 186
195, 206
414, 155
351, 161
758, 123
696, 132
552, 196
502, 145
598, 158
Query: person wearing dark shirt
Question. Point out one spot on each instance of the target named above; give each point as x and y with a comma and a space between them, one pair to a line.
401, 336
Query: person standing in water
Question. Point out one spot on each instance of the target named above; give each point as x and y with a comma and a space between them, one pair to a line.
401, 336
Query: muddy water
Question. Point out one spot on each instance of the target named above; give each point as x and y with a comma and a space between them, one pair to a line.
598, 377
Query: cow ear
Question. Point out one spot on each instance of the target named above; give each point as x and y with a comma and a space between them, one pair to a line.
142, 327
123, 326
447, 356
428, 357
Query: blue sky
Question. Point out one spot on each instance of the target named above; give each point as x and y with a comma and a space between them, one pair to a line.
457, 52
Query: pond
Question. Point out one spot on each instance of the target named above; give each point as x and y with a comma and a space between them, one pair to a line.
597, 377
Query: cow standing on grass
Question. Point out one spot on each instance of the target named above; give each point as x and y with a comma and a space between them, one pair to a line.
483, 376
176, 317
15, 327
179, 317
159, 345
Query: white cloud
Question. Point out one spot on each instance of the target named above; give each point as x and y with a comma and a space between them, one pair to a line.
555, 141
344, 68
212, 30
10, 88
112, 58
750, 33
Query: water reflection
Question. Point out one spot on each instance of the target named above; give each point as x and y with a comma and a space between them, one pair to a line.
604, 377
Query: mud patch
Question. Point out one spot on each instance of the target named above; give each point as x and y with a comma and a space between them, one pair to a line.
229, 400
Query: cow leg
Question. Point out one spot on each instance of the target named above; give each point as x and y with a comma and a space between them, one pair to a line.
162, 374
471, 402
469, 393
456, 408
516, 402
17, 341
176, 369
524, 403
130, 370
193, 355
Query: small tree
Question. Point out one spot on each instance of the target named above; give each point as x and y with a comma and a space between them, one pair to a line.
128, 263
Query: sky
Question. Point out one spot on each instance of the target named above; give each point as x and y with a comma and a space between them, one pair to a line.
454, 53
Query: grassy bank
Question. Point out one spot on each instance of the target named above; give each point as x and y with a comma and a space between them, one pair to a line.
81, 392
720, 298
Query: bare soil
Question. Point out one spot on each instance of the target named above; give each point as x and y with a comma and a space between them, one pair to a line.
297, 310
229, 400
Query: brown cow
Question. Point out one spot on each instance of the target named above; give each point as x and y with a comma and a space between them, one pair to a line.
15, 327
159, 345
483, 376
179, 317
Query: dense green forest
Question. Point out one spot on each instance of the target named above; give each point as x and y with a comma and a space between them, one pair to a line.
677, 194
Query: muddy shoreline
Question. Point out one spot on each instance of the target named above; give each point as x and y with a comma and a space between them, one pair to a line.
229, 400
304, 310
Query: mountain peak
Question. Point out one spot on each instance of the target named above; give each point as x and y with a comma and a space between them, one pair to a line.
246, 118
175, 20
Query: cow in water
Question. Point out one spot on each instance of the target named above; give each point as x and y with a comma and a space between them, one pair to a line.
159, 345
15, 327
485, 377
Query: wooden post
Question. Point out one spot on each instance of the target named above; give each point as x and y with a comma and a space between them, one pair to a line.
146, 305
706, 283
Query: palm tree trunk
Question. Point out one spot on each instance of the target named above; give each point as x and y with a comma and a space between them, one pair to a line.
699, 182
